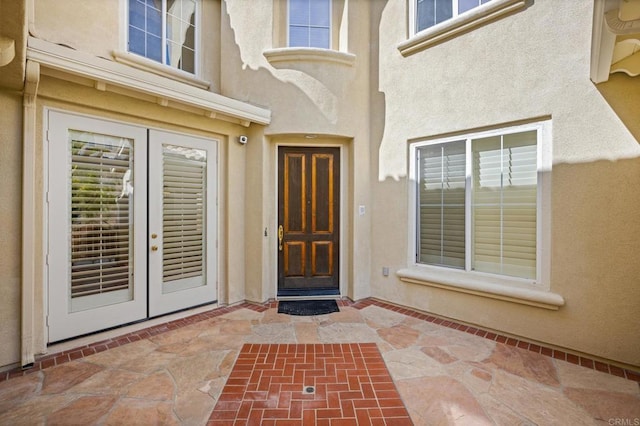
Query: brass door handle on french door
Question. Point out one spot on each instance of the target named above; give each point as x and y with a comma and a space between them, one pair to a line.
280, 237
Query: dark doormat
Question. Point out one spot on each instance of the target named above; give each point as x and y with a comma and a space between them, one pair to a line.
307, 307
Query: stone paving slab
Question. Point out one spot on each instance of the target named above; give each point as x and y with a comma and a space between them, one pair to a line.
444, 372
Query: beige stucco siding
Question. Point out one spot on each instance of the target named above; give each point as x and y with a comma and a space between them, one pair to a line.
75, 98
529, 66
318, 97
372, 102
99, 28
10, 225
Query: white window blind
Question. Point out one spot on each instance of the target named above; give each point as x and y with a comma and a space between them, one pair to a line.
504, 204
183, 203
477, 203
441, 198
101, 214
310, 23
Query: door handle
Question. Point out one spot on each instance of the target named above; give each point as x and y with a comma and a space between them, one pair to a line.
154, 248
280, 237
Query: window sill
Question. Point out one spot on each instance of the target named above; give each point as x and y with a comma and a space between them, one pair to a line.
464, 282
459, 25
157, 68
308, 54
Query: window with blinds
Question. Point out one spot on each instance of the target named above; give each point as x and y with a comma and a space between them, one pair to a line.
101, 214
310, 23
477, 204
184, 205
441, 200
504, 204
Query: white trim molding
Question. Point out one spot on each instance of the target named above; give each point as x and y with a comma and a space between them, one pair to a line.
308, 54
110, 74
462, 283
150, 65
457, 25
29, 220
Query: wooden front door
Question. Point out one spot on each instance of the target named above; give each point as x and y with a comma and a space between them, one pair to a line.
309, 221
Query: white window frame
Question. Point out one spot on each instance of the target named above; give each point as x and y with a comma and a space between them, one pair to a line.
543, 205
454, 13
148, 62
457, 25
288, 23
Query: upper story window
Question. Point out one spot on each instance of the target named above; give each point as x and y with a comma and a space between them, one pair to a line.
310, 23
432, 12
479, 201
164, 31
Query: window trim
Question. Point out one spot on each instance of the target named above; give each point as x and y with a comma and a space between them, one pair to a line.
455, 26
132, 57
288, 55
481, 281
288, 27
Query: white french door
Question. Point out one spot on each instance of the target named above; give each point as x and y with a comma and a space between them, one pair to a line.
108, 224
182, 222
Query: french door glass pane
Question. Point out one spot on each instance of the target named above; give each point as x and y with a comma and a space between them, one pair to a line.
101, 219
184, 212
504, 204
441, 200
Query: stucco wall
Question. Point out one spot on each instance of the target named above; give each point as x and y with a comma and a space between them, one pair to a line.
98, 28
62, 95
622, 92
530, 65
319, 97
10, 225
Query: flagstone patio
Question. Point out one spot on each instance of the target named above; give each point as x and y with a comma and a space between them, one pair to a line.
444, 373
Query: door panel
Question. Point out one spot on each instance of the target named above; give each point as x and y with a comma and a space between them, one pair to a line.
108, 226
308, 200
182, 222
95, 280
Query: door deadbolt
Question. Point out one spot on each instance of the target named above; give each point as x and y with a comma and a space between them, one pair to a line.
154, 248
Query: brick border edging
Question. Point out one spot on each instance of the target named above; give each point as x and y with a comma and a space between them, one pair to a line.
51, 360
59, 358
546, 351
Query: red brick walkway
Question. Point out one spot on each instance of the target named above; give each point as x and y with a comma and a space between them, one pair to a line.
319, 384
